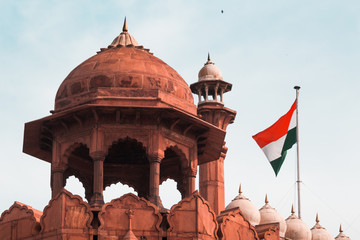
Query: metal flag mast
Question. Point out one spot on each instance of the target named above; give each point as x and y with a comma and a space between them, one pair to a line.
298, 181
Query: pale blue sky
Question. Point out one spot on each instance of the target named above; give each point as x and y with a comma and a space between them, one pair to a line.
263, 47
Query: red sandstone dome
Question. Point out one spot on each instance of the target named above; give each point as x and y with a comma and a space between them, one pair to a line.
124, 74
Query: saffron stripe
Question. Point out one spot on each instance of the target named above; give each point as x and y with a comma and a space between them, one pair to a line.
277, 130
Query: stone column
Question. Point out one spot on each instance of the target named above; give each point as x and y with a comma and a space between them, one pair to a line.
57, 180
199, 95
154, 180
215, 92
206, 92
58, 167
221, 94
97, 199
211, 182
190, 188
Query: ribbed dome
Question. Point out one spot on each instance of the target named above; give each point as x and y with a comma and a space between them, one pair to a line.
268, 214
122, 74
341, 235
247, 208
320, 233
296, 229
209, 71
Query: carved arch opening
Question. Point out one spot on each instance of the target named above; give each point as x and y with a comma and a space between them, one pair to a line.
174, 166
117, 190
169, 192
80, 165
127, 162
74, 185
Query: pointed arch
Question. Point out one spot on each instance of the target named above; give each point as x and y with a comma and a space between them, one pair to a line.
127, 162
73, 147
126, 151
180, 154
174, 166
113, 139
80, 165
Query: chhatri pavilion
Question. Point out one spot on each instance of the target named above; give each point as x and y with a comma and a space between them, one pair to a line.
124, 115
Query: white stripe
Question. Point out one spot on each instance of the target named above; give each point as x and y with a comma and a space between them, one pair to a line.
273, 149
292, 121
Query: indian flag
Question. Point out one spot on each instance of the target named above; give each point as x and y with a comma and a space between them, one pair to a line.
278, 138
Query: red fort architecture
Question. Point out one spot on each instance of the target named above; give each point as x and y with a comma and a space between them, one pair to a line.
125, 116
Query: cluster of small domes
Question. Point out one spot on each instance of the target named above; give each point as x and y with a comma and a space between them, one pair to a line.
341, 235
248, 209
293, 228
270, 215
296, 228
318, 232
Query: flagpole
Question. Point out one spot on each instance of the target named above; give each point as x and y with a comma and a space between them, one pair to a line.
297, 144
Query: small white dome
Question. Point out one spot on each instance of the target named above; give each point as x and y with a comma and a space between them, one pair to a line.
268, 214
209, 72
319, 233
296, 229
341, 235
247, 208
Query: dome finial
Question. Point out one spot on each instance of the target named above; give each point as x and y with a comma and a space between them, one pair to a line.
340, 229
317, 218
208, 60
240, 192
266, 199
124, 39
292, 209
125, 28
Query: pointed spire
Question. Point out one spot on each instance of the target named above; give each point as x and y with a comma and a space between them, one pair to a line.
340, 229
240, 191
125, 28
124, 39
266, 199
317, 218
208, 60
292, 209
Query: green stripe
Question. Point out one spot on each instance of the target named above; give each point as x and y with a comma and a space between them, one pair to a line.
290, 140
276, 164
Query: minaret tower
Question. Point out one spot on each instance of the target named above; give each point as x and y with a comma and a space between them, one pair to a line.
210, 89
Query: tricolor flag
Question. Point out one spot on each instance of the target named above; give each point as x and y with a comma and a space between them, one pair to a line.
278, 138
